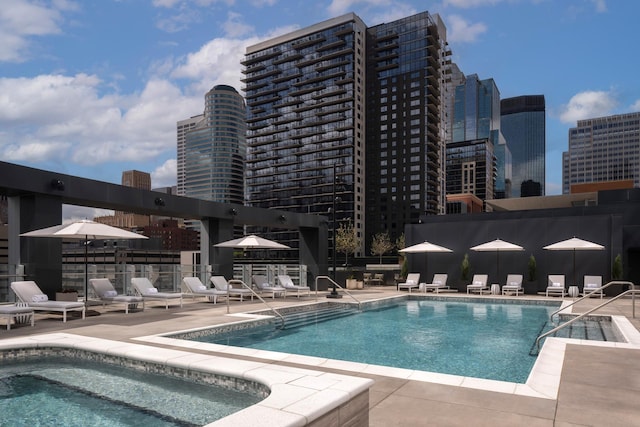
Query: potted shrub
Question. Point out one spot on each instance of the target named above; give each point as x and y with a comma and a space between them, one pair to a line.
531, 284
465, 273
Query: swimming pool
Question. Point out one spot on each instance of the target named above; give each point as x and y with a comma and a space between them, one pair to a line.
489, 340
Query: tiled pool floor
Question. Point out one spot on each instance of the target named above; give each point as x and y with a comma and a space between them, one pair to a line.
598, 385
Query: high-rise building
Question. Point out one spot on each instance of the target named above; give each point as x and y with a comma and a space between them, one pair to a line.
336, 108
183, 127
407, 66
215, 148
135, 179
472, 156
603, 153
522, 122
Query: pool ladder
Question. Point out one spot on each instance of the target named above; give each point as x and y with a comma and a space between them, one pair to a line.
633, 291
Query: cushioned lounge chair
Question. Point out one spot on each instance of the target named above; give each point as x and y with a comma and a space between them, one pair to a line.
107, 294
286, 282
478, 283
555, 285
264, 287
593, 286
221, 284
412, 282
28, 292
439, 283
513, 285
193, 286
146, 290
19, 313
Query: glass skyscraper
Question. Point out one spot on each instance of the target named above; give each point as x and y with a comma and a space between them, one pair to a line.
310, 95
522, 123
215, 149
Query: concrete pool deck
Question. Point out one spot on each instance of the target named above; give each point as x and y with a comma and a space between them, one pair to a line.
597, 385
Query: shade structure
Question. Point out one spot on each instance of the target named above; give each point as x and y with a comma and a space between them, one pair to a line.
251, 242
497, 246
574, 244
425, 247
84, 230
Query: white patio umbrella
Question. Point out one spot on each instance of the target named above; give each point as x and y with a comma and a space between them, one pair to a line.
497, 246
251, 242
425, 247
574, 244
84, 230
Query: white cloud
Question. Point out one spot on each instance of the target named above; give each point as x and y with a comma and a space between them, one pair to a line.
234, 27
461, 31
466, 4
20, 20
635, 107
165, 174
588, 104
601, 5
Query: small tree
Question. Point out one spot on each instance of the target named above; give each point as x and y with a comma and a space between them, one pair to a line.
464, 268
381, 244
616, 269
532, 269
400, 243
347, 241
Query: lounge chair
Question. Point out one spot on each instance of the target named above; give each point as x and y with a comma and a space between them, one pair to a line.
593, 286
146, 290
28, 292
286, 282
513, 285
221, 284
107, 294
19, 312
439, 283
478, 283
193, 286
264, 287
412, 282
556, 285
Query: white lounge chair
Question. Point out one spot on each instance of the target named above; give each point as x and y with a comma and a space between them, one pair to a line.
556, 285
28, 292
286, 282
263, 286
146, 290
221, 284
193, 286
513, 285
107, 294
412, 282
439, 283
478, 283
593, 286
19, 313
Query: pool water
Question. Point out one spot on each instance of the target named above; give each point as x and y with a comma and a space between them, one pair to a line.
51, 392
481, 340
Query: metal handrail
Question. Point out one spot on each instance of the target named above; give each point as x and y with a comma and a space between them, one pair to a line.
600, 289
240, 282
631, 292
338, 285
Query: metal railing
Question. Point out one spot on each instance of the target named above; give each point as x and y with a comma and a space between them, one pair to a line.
337, 285
631, 292
253, 292
594, 291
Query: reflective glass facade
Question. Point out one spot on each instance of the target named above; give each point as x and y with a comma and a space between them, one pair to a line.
523, 126
214, 149
601, 150
406, 69
471, 168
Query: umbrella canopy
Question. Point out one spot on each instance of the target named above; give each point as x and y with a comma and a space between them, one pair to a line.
497, 246
425, 247
251, 242
574, 244
84, 230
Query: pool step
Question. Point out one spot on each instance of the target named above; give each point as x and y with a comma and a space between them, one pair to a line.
587, 329
294, 320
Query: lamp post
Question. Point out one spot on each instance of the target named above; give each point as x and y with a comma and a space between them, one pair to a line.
334, 293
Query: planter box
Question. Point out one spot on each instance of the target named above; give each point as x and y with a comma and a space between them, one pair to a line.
352, 284
67, 296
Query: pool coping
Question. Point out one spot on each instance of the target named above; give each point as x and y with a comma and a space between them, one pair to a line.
543, 380
298, 396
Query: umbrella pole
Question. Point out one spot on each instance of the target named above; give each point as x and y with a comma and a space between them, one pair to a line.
86, 271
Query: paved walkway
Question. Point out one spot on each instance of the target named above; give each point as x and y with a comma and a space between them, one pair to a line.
598, 387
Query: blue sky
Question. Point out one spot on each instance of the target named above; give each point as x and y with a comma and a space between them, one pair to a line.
95, 87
